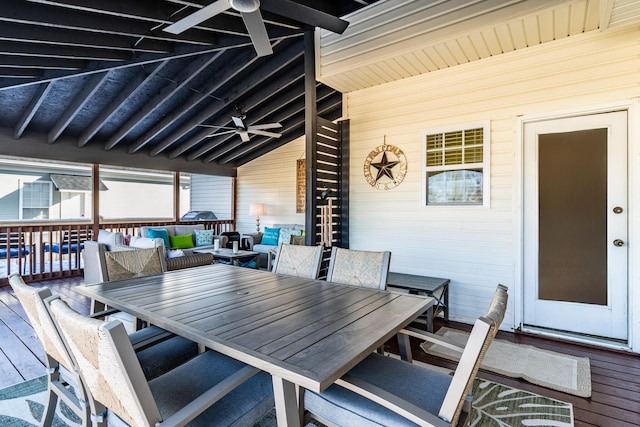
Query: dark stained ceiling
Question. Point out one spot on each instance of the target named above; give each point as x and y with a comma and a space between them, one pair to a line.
99, 81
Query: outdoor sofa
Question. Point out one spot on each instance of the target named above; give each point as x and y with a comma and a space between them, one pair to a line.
179, 256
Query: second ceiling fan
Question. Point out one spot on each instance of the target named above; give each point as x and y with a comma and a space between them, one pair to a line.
250, 12
243, 130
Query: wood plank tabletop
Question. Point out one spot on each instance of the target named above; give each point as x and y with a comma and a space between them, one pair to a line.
309, 332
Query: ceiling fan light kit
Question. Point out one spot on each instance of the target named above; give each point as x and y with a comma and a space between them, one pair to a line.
245, 6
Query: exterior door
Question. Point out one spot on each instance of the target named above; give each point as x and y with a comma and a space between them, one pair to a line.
575, 225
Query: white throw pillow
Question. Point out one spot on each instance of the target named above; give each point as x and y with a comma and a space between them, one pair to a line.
146, 242
110, 239
174, 253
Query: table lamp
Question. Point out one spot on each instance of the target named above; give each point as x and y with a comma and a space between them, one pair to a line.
257, 209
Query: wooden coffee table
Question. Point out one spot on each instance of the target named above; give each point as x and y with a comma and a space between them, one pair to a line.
227, 254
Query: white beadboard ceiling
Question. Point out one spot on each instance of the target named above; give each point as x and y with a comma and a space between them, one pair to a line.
396, 39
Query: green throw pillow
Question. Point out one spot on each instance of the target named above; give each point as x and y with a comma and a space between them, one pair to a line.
161, 233
181, 242
270, 236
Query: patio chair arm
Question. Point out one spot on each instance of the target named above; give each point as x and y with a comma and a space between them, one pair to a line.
104, 313
391, 402
209, 397
436, 339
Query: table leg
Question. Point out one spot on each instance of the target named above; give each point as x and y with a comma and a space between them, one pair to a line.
430, 319
404, 345
284, 393
445, 292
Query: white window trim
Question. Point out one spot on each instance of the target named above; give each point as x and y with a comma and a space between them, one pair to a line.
21, 203
486, 163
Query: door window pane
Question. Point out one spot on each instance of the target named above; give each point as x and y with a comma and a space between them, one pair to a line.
572, 179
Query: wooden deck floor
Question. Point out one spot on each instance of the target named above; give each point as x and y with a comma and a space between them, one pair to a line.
615, 400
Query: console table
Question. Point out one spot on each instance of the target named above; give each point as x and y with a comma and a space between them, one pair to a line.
431, 286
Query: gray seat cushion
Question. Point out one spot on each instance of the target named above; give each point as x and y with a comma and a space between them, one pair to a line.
243, 406
165, 355
264, 249
416, 384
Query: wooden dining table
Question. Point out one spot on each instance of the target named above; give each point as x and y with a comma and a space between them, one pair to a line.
304, 332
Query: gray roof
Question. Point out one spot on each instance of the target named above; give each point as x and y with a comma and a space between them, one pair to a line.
74, 182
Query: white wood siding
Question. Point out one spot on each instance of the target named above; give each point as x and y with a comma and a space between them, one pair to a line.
270, 179
474, 246
212, 193
10, 183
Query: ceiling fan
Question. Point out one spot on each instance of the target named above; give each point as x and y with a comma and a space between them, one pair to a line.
250, 12
241, 128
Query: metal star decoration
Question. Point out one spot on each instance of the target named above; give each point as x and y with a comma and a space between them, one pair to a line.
384, 167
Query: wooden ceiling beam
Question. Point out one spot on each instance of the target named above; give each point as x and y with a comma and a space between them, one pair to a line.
326, 107
33, 145
93, 68
281, 80
11, 31
54, 18
271, 65
90, 88
287, 87
30, 111
10, 74
137, 83
179, 82
290, 114
69, 52
231, 63
41, 63
149, 10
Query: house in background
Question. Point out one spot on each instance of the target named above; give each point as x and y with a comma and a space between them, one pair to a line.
553, 87
35, 190
39, 190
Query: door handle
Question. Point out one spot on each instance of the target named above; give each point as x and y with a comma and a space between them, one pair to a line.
618, 243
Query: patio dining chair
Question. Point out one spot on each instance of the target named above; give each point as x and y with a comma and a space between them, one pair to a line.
126, 264
297, 260
156, 349
71, 243
360, 268
384, 391
210, 389
13, 246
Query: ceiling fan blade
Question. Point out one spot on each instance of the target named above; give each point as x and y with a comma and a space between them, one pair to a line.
305, 14
258, 33
264, 133
244, 136
221, 133
197, 17
265, 126
238, 122
215, 127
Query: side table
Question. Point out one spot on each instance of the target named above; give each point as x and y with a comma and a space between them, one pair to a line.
431, 286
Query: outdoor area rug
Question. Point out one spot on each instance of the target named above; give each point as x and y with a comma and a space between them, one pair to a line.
557, 371
494, 405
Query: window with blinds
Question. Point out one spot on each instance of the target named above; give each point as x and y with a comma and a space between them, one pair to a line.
455, 165
36, 200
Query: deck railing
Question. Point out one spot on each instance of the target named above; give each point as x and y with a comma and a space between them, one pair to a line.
50, 251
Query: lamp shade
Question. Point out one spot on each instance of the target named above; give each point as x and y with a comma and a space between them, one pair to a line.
257, 209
